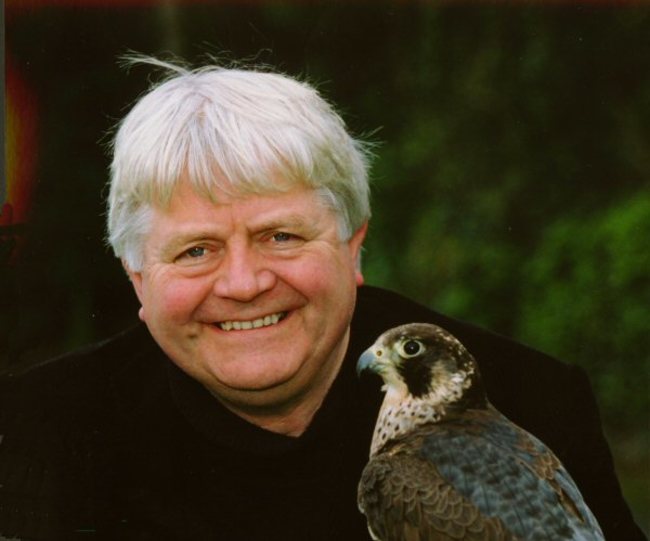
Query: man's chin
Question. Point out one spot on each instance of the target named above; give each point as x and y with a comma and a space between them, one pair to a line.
258, 403
252, 386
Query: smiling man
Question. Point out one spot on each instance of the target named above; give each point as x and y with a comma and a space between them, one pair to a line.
238, 207
241, 294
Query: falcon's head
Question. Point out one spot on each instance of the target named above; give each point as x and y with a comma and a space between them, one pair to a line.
423, 362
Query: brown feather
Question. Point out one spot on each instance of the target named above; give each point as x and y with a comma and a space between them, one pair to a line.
399, 507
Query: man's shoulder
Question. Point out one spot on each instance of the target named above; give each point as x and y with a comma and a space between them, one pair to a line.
80, 374
514, 373
56, 419
532, 388
380, 309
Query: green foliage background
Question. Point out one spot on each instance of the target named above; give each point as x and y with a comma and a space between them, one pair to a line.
513, 190
511, 184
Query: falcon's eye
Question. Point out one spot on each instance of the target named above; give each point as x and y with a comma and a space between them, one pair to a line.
410, 348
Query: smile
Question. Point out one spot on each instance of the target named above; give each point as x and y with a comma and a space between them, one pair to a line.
265, 321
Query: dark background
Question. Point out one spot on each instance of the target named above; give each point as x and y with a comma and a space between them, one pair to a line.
510, 187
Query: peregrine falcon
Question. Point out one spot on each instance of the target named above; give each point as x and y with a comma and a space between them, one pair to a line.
445, 464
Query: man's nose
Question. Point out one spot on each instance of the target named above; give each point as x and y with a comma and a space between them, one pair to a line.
243, 274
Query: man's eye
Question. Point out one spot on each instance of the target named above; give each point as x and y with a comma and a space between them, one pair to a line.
281, 236
194, 252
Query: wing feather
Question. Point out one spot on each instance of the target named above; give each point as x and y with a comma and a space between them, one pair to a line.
478, 477
406, 499
510, 474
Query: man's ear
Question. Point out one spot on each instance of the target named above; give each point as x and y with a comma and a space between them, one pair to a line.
136, 280
356, 244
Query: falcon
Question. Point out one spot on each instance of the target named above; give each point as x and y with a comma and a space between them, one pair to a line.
445, 464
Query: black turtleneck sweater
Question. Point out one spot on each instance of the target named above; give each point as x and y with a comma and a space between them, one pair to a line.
115, 442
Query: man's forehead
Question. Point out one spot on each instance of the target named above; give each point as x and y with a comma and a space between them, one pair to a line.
190, 213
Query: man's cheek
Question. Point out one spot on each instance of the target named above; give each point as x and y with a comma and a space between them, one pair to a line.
173, 306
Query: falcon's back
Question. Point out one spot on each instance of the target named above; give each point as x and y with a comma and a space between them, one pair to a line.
474, 475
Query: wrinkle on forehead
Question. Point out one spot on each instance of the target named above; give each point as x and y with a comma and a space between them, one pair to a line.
218, 196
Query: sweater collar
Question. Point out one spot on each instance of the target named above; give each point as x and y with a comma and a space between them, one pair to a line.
216, 422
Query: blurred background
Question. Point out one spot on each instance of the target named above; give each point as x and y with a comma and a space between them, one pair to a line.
511, 186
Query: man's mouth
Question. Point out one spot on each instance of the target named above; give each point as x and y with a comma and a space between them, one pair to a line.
266, 321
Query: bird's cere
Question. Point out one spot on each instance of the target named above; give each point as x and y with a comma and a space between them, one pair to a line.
266, 321
369, 360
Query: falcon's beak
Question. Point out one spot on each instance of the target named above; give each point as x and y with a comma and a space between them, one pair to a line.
368, 360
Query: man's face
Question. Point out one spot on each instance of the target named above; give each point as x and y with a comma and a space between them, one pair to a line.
251, 296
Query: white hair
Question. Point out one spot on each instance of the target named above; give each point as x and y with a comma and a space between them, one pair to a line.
240, 131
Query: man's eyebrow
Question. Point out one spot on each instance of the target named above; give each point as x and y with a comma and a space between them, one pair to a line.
294, 223
283, 220
180, 239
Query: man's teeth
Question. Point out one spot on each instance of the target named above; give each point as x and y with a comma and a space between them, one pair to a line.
253, 324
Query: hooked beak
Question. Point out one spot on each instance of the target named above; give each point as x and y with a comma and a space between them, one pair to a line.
368, 360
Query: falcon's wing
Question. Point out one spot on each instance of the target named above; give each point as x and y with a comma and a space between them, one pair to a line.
405, 499
477, 477
509, 473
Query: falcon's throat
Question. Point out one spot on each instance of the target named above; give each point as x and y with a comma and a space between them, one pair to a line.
402, 411
397, 419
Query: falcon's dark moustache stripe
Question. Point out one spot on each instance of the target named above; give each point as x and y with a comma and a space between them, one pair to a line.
416, 373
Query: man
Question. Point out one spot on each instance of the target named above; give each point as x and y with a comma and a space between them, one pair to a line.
238, 206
